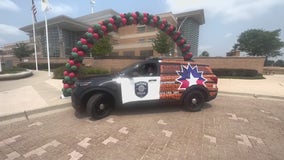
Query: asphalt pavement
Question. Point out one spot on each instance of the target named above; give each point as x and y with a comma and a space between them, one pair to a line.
41, 92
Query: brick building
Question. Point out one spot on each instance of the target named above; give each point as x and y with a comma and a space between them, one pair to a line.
133, 40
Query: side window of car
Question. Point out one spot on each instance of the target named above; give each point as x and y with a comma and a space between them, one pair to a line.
147, 69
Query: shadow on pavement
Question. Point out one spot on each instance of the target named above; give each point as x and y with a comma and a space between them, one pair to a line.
140, 109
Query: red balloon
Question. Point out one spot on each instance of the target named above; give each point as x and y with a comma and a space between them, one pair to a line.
122, 15
134, 15
145, 19
83, 41
155, 19
77, 65
81, 53
124, 21
101, 23
74, 49
65, 73
96, 36
104, 28
162, 26
89, 46
72, 75
111, 20
164, 20
114, 27
145, 14
66, 85
171, 28
71, 62
90, 30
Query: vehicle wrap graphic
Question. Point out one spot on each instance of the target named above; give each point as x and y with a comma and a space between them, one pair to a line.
189, 76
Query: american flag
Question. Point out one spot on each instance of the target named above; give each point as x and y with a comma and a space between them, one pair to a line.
34, 10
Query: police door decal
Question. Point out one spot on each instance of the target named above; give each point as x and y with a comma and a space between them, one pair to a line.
141, 89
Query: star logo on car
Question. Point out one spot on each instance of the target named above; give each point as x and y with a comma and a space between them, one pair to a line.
189, 76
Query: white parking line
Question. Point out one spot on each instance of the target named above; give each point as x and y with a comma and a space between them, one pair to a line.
39, 151
162, 122
13, 155
85, 142
35, 124
110, 120
75, 155
123, 130
110, 139
167, 133
211, 139
9, 140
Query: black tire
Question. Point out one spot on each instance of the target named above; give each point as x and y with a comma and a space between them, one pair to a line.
193, 101
99, 106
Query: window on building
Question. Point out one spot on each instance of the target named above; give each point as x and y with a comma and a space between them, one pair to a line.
129, 53
151, 29
114, 54
141, 40
146, 53
141, 29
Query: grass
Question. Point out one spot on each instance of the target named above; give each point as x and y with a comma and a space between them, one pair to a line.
12, 70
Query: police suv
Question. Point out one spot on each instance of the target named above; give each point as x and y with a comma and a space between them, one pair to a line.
151, 80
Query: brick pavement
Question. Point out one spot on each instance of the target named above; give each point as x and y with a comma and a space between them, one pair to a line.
241, 128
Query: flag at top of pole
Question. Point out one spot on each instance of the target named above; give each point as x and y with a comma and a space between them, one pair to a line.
44, 5
34, 10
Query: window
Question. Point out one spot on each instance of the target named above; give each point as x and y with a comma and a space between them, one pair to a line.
146, 53
141, 40
141, 29
128, 53
148, 69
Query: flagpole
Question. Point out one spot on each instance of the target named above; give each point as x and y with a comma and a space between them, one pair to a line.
47, 44
34, 41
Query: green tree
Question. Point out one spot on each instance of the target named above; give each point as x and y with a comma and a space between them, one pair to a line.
204, 54
22, 50
258, 42
102, 47
163, 44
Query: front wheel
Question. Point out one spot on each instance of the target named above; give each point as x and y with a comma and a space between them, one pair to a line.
99, 106
194, 101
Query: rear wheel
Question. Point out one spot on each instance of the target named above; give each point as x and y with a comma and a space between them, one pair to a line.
99, 106
194, 101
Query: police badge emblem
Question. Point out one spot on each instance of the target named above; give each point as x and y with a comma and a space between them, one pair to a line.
141, 89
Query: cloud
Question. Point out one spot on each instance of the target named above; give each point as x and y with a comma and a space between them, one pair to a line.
10, 30
58, 9
228, 35
228, 10
8, 5
202, 48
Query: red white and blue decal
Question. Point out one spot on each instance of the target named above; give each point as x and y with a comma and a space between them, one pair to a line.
189, 76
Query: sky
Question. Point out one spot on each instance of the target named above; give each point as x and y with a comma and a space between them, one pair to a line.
225, 20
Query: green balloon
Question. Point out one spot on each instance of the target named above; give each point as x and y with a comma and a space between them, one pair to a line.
85, 47
74, 54
67, 65
74, 79
89, 35
69, 91
67, 78
74, 68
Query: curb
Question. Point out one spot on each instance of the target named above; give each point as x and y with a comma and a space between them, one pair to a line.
14, 76
252, 95
32, 112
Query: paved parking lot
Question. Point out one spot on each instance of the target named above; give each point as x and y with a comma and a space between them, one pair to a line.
229, 127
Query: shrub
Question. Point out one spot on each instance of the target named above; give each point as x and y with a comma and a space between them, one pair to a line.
12, 70
235, 72
41, 66
83, 72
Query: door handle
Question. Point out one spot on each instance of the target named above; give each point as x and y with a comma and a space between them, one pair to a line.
152, 80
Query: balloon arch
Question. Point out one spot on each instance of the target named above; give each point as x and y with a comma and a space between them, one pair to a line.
112, 24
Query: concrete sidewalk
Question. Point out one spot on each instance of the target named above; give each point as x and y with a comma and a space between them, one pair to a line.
41, 92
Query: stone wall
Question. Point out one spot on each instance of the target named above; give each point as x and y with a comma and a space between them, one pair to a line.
114, 65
